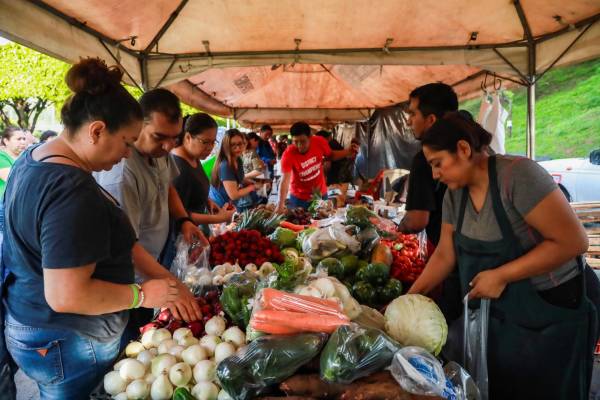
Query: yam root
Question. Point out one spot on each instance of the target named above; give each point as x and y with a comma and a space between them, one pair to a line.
287, 398
379, 386
310, 385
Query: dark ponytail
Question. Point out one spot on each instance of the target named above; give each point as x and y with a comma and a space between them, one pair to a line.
97, 95
195, 125
446, 132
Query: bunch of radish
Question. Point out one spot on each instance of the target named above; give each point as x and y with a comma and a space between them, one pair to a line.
161, 362
243, 247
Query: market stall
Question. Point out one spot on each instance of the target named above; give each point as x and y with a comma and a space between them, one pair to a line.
298, 305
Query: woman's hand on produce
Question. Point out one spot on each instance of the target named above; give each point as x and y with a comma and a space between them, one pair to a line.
192, 233
159, 292
487, 285
185, 306
226, 213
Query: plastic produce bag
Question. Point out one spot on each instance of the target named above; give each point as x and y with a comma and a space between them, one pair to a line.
464, 386
191, 265
237, 297
475, 334
267, 361
342, 234
353, 352
321, 244
418, 372
368, 238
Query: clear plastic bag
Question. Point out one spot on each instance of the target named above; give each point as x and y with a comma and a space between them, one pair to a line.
464, 386
418, 372
321, 244
423, 245
368, 238
475, 334
191, 264
342, 234
237, 297
353, 352
267, 361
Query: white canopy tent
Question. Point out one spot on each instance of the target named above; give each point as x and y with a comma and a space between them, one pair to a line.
276, 62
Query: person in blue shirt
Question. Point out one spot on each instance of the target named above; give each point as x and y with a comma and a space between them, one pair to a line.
227, 183
67, 246
264, 149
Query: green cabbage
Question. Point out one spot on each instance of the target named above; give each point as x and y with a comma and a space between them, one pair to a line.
415, 320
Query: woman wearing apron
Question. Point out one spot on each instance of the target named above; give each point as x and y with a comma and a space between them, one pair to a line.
515, 240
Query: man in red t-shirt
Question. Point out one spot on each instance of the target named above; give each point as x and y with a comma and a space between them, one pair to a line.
302, 166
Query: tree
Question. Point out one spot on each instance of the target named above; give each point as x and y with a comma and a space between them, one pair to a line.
30, 82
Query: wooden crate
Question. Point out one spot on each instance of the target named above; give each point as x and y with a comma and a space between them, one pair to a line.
589, 215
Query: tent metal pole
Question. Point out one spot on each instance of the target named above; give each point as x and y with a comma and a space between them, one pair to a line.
119, 64
165, 27
83, 27
531, 66
565, 51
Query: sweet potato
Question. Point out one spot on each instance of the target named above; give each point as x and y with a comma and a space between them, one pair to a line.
310, 385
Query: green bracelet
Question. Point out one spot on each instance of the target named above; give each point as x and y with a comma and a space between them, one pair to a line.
136, 295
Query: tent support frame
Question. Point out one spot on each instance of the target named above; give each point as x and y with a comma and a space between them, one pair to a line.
116, 59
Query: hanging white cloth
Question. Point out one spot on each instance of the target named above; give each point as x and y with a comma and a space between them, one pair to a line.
492, 116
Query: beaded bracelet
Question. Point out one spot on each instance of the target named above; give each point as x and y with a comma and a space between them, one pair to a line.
142, 296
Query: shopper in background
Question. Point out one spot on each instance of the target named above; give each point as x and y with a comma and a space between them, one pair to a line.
14, 142
48, 136
265, 150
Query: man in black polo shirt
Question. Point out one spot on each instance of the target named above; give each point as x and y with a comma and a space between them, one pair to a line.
425, 194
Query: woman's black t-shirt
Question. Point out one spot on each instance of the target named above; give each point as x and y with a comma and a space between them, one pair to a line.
192, 185
56, 216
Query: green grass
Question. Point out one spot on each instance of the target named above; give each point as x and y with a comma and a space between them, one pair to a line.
567, 112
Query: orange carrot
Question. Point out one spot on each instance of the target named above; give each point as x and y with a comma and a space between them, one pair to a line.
277, 300
290, 226
265, 327
273, 320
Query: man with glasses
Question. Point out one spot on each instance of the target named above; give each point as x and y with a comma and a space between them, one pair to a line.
142, 184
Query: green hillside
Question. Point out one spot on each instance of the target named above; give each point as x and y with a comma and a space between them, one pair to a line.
567, 113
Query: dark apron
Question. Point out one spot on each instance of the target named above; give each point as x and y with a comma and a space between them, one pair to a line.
536, 350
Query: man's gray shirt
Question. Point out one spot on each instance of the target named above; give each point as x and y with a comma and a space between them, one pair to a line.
141, 185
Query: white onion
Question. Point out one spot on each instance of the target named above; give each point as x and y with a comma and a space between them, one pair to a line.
145, 357
162, 364
223, 351
121, 396
205, 371
153, 351
133, 349
138, 390
188, 341
159, 335
147, 338
209, 342
119, 364
113, 383
161, 388
223, 395
181, 333
235, 336
149, 378
132, 369
205, 391
215, 326
176, 351
165, 345
180, 374
194, 354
